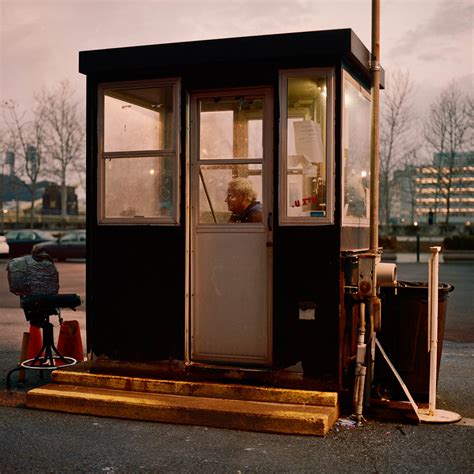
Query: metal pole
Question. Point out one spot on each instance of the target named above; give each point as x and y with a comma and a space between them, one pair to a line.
361, 370
432, 415
433, 317
2, 217
417, 247
207, 196
375, 128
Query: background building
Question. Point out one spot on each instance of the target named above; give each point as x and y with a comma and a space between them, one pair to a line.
52, 200
447, 181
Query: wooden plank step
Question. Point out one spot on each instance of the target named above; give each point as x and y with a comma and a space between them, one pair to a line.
189, 410
201, 389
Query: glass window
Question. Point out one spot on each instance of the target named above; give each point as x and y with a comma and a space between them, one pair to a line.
67, 239
306, 111
230, 158
231, 128
26, 236
139, 167
145, 187
355, 153
138, 119
12, 235
230, 194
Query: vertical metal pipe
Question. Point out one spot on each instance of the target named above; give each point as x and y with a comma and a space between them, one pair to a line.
360, 371
375, 128
417, 247
207, 196
370, 356
433, 315
360, 398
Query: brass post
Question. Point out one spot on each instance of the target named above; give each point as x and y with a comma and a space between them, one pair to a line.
375, 128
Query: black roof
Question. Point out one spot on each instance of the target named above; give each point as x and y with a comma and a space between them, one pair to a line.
342, 43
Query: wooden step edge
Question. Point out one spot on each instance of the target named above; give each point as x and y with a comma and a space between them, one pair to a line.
193, 388
231, 414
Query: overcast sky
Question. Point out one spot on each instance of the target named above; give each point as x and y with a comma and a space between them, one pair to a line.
40, 39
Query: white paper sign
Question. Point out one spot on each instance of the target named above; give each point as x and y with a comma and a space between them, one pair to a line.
308, 140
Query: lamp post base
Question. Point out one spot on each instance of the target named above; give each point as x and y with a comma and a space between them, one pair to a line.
439, 416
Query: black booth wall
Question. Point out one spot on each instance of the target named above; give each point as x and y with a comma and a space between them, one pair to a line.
136, 274
136, 280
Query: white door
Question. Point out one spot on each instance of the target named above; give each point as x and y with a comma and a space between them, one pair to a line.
231, 227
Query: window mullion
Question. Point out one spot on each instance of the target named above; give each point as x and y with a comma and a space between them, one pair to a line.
137, 154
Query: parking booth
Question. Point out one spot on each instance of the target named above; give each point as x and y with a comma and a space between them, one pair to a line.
170, 275
182, 283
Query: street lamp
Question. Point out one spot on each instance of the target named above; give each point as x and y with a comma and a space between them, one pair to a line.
417, 230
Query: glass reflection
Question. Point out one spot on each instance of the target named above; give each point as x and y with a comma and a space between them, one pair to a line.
356, 155
306, 146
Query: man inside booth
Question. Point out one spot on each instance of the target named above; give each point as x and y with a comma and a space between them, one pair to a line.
242, 201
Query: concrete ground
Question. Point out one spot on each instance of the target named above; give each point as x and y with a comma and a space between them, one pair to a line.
53, 442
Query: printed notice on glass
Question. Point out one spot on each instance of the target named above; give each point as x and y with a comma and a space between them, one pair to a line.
308, 140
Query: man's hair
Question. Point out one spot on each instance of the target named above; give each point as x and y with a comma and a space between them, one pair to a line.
243, 187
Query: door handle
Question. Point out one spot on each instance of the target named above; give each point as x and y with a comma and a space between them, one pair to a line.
270, 221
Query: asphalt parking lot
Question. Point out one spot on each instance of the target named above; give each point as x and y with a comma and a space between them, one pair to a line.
48, 441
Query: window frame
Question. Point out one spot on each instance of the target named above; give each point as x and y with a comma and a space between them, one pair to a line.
352, 221
284, 75
173, 152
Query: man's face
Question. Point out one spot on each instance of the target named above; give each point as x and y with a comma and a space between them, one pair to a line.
236, 203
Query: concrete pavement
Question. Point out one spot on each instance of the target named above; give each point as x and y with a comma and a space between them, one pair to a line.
45, 441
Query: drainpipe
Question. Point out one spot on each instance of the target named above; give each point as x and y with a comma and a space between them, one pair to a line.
361, 369
375, 129
366, 370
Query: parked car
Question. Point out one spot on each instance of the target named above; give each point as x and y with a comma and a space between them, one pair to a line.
4, 248
21, 241
72, 245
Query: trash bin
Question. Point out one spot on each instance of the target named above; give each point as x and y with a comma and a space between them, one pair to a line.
404, 337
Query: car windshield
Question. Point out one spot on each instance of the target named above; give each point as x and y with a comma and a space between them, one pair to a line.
75, 236
28, 234
45, 235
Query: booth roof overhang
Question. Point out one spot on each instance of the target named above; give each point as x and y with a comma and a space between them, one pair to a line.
341, 43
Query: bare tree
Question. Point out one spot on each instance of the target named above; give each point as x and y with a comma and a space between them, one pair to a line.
64, 136
26, 139
396, 122
448, 131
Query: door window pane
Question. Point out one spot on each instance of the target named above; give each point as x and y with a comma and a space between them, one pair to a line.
138, 119
139, 187
231, 128
356, 151
230, 194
